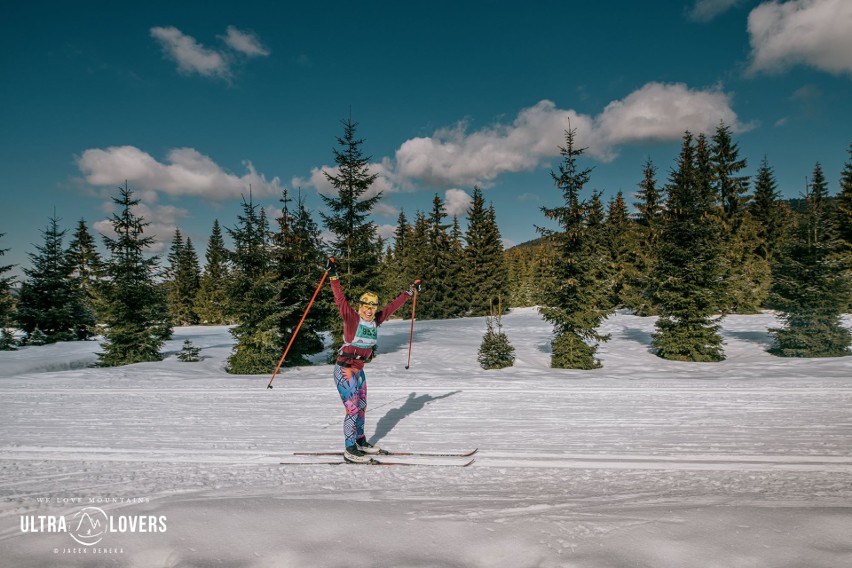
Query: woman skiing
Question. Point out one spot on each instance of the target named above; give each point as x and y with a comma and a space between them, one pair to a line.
360, 334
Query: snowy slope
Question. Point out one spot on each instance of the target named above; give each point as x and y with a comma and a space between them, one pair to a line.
644, 462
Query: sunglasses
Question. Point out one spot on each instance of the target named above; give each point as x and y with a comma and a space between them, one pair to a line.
370, 304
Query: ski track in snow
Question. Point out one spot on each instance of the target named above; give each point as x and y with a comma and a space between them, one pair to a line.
643, 462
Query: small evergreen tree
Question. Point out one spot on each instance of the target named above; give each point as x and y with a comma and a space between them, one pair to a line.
212, 297
687, 276
576, 304
49, 300
189, 353
810, 282
495, 351
131, 304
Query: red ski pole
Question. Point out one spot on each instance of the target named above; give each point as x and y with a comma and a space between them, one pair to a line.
311, 303
411, 334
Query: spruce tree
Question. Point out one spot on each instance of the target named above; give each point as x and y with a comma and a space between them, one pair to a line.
354, 235
399, 269
604, 269
212, 297
183, 280
620, 237
6, 304
576, 304
457, 301
253, 296
486, 274
844, 218
86, 269
810, 284
772, 215
731, 186
649, 220
299, 258
131, 305
686, 281
50, 300
844, 203
745, 272
436, 262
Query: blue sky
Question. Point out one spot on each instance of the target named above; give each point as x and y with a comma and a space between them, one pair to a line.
191, 102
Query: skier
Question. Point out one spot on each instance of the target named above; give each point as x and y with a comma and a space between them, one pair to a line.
360, 335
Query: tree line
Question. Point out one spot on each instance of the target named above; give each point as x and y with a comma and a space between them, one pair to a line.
708, 242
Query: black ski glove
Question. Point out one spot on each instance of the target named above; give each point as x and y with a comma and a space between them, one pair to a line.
331, 268
415, 287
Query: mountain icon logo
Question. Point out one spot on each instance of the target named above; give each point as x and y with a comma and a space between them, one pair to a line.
88, 526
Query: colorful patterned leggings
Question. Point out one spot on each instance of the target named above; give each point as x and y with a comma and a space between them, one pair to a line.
352, 386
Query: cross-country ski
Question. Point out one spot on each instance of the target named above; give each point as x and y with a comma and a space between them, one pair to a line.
448, 454
384, 462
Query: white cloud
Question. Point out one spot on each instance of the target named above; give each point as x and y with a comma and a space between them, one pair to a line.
707, 10
452, 156
245, 42
656, 112
187, 172
661, 112
457, 202
807, 32
191, 56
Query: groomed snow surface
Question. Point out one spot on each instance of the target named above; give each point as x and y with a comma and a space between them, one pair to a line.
643, 463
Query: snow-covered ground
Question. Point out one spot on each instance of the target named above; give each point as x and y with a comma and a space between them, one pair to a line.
643, 463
